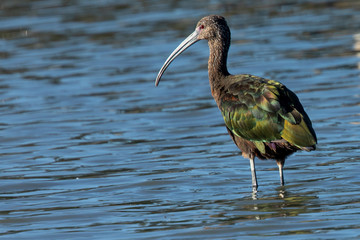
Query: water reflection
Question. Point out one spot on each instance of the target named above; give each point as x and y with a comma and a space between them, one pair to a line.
357, 46
286, 205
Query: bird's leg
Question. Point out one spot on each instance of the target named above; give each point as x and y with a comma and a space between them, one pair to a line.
280, 163
253, 174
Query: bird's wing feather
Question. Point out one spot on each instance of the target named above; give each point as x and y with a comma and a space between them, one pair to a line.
262, 110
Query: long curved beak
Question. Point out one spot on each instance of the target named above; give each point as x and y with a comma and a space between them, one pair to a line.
190, 40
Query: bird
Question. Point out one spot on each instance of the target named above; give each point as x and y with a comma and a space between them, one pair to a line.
263, 117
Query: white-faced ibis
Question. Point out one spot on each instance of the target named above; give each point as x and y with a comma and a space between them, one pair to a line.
263, 117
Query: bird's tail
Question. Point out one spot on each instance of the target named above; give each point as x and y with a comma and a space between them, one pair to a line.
308, 149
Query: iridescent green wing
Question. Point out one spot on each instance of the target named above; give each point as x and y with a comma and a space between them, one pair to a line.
262, 110
298, 129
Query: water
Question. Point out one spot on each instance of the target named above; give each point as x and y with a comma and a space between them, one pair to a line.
90, 149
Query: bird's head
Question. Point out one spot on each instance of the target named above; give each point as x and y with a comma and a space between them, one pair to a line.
210, 28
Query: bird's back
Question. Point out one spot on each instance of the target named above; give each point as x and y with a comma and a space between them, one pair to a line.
265, 115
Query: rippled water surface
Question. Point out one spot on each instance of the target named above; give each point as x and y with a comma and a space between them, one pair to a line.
90, 149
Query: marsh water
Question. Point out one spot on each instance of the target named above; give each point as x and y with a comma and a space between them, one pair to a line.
90, 149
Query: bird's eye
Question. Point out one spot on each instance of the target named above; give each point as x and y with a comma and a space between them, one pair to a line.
201, 26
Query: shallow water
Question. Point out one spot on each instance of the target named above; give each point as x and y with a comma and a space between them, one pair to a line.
90, 149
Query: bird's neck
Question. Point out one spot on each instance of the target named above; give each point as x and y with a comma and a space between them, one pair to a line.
217, 64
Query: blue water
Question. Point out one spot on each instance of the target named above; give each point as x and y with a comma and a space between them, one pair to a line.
90, 149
